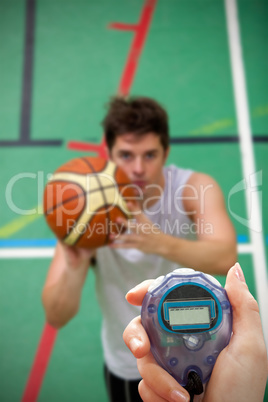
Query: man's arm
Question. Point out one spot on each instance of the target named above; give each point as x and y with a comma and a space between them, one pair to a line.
64, 283
215, 249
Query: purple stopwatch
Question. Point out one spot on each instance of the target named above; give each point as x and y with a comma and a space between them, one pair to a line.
188, 318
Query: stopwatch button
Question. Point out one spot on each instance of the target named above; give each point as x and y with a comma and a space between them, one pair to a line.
156, 283
192, 342
152, 308
213, 280
184, 271
210, 360
225, 305
173, 362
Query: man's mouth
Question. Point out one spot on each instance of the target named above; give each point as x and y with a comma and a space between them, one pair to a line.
140, 183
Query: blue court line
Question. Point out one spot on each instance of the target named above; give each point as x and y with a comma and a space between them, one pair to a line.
245, 239
28, 242
52, 242
242, 239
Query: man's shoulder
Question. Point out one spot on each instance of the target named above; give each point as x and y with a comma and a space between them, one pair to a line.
198, 178
178, 175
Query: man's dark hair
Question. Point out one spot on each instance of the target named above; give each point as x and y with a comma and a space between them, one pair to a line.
137, 115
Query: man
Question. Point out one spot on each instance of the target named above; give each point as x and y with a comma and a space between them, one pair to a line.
179, 220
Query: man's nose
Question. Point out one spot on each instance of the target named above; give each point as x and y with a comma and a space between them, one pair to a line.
138, 167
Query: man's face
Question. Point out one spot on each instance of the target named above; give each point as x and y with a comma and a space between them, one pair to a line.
142, 159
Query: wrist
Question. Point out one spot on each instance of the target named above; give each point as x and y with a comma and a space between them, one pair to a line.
77, 266
77, 259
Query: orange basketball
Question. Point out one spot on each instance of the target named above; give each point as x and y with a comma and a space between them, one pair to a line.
83, 199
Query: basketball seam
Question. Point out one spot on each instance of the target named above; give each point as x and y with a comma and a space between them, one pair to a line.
84, 193
73, 228
103, 193
101, 188
48, 211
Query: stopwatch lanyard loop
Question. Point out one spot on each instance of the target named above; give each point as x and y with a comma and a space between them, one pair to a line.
194, 385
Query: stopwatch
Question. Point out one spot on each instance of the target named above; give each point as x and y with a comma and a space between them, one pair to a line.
188, 318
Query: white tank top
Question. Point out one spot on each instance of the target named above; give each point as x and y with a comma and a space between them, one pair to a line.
119, 270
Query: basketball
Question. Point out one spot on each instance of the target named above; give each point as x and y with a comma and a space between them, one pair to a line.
83, 199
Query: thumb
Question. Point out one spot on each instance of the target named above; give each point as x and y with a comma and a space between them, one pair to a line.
136, 295
246, 318
134, 208
137, 212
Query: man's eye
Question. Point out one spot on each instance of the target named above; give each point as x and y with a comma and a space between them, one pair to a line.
125, 155
150, 155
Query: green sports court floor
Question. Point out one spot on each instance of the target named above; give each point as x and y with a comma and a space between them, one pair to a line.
61, 60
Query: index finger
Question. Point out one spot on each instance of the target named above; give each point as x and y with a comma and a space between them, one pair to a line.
136, 338
136, 295
160, 381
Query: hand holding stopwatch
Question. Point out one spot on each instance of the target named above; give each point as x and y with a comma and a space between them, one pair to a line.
188, 318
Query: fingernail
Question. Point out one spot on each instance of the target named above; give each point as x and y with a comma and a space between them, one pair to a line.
134, 344
239, 273
179, 396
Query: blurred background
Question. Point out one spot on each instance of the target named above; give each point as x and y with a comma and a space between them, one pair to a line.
61, 61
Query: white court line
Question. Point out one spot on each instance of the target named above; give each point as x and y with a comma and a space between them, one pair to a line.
253, 204
27, 252
245, 248
48, 252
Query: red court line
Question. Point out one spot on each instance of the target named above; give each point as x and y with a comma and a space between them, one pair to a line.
136, 47
99, 149
49, 334
123, 27
40, 364
140, 30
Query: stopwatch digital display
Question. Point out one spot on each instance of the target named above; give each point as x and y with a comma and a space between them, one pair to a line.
188, 318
